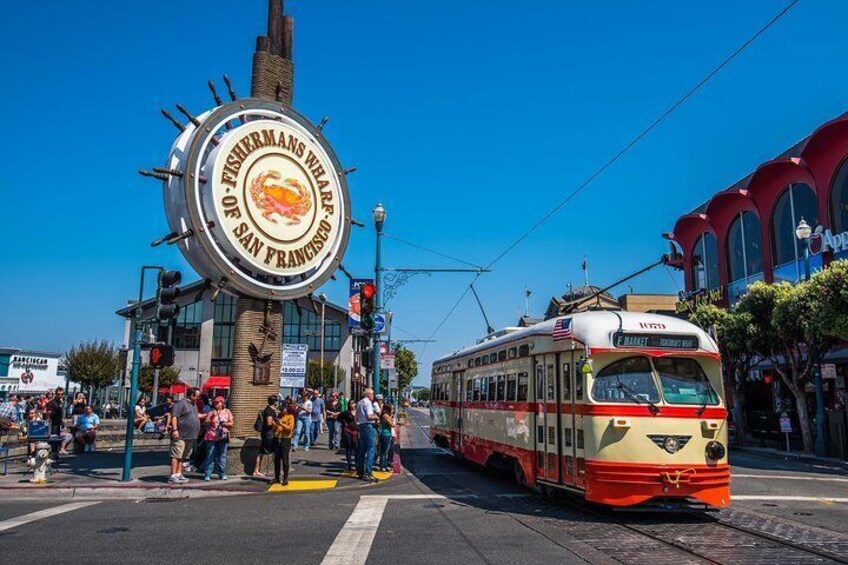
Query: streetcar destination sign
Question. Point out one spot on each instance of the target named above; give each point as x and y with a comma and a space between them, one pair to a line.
655, 341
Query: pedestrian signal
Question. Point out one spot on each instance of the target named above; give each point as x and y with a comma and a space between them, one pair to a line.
161, 356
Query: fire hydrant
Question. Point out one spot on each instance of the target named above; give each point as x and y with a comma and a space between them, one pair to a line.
40, 462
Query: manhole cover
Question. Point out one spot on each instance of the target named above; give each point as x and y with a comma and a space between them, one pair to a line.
113, 530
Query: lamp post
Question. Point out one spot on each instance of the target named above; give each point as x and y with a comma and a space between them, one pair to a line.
323, 298
803, 232
379, 215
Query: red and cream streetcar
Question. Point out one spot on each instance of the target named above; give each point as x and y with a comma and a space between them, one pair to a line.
620, 407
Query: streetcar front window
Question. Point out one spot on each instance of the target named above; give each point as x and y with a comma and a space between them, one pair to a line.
683, 381
628, 380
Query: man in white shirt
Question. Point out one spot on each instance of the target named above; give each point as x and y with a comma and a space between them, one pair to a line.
366, 419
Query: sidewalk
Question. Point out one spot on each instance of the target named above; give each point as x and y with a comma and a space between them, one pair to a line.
98, 475
791, 456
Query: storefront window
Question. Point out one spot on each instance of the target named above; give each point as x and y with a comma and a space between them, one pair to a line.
744, 254
839, 204
705, 262
797, 201
302, 325
187, 327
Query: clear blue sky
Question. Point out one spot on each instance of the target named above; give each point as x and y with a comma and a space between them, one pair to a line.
469, 120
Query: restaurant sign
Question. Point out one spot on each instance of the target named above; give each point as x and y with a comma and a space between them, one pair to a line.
823, 240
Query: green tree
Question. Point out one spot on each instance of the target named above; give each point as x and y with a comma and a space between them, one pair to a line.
167, 376
332, 374
93, 364
422, 394
734, 333
406, 366
786, 328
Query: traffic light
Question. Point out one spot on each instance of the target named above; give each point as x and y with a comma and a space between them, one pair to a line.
367, 294
168, 292
161, 356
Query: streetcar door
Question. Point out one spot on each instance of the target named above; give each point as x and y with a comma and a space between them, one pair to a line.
547, 434
569, 418
459, 388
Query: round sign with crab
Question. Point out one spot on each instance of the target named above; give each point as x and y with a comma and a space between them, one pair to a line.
264, 198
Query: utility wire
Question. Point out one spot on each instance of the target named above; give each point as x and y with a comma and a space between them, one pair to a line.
618, 156
433, 251
645, 131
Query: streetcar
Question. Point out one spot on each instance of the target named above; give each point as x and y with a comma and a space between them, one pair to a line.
621, 408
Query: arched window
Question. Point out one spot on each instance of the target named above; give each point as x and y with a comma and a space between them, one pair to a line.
797, 201
705, 262
744, 254
839, 199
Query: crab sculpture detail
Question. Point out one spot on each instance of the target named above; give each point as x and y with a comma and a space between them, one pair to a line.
288, 199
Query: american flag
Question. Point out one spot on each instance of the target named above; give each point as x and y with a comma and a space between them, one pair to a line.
562, 329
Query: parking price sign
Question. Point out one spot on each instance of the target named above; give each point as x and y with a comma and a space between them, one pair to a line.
293, 365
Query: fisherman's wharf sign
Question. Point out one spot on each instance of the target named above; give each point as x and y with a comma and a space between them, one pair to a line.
257, 200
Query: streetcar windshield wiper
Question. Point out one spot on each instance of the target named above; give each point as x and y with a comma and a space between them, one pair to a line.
636, 398
707, 395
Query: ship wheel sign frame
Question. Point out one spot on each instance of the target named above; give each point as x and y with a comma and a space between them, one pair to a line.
256, 200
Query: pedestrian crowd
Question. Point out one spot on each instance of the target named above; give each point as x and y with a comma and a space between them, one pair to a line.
199, 429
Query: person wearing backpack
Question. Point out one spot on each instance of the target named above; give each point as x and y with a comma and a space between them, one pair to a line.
265, 426
283, 432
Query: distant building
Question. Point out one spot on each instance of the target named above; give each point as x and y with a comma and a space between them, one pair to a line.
203, 334
29, 372
649, 303
585, 298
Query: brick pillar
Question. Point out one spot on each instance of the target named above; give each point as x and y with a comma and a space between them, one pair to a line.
246, 398
273, 76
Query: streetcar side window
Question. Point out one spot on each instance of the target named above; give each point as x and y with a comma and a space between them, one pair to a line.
476, 390
566, 382
492, 390
502, 355
683, 381
476, 361
501, 388
578, 383
470, 363
540, 382
550, 385
510, 388
513, 353
523, 383
469, 390
524, 351
628, 380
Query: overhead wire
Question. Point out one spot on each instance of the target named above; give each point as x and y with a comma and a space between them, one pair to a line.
433, 251
632, 143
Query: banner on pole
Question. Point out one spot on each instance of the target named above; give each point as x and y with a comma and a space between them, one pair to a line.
354, 320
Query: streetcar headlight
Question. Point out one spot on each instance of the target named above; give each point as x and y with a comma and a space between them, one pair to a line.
671, 444
715, 450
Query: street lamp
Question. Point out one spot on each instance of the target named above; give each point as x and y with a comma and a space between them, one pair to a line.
323, 299
379, 215
803, 232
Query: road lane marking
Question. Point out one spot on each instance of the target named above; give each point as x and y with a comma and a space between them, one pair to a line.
765, 497
41, 514
353, 543
788, 477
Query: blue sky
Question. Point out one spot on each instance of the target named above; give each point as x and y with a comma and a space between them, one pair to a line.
469, 120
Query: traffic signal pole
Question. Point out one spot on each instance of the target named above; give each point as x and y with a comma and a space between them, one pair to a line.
126, 476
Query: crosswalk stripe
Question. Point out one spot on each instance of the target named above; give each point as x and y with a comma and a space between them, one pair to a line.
41, 514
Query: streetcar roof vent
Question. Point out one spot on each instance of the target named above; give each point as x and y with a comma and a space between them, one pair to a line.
499, 333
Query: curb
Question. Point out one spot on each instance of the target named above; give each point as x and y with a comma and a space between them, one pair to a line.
116, 493
789, 455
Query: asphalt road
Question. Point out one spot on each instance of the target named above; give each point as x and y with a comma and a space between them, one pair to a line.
440, 511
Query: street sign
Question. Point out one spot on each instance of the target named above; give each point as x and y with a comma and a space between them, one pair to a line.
828, 371
379, 323
785, 424
293, 365
393, 379
387, 361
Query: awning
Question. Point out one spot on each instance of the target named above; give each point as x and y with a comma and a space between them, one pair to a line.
221, 381
178, 388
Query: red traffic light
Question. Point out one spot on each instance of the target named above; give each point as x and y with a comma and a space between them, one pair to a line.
161, 356
368, 290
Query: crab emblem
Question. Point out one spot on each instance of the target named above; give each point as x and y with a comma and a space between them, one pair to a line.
289, 199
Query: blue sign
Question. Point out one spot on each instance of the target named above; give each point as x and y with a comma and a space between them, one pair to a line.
379, 323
